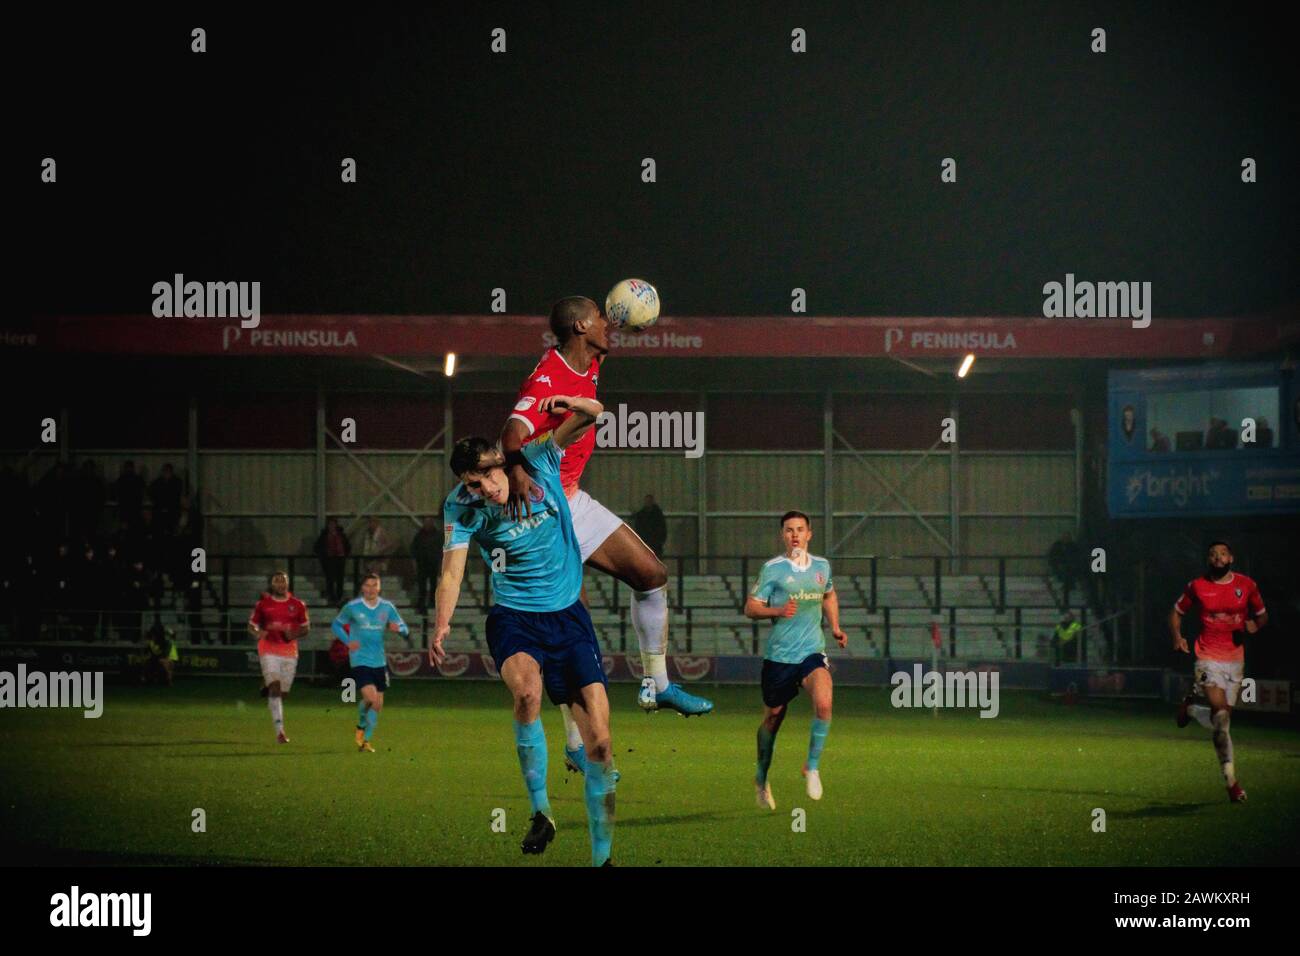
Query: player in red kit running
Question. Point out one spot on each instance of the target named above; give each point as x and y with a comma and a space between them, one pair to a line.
1230, 605
277, 621
607, 543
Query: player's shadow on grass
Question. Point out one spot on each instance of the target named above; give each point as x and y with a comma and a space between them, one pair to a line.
1157, 810
158, 743
675, 818
41, 856
273, 754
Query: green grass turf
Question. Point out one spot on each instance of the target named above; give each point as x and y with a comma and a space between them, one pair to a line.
902, 787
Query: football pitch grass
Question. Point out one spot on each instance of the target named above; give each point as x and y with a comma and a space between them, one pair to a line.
902, 787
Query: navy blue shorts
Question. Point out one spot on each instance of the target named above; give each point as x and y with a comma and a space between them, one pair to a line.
562, 642
371, 675
781, 682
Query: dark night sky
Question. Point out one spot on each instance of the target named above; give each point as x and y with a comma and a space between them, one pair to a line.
775, 170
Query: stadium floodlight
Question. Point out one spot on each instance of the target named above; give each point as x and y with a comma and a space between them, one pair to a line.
449, 365
966, 363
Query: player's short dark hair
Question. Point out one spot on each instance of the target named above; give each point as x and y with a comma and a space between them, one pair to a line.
1214, 544
566, 312
467, 454
795, 514
368, 575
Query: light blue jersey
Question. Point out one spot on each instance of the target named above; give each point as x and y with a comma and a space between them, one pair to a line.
794, 638
539, 561
367, 625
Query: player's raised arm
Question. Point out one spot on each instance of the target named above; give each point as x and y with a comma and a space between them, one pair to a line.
445, 598
585, 411
513, 436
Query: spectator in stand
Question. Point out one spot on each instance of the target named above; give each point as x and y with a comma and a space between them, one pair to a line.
134, 601
147, 544
128, 492
333, 548
376, 546
1066, 638
651, 526
88, 592
1263, 433
87, 503
28, 580
1063, 559
58, 594
1219, 436
163, 655
113, 588
187, 535
1159, 441
426, 549
53, 495
166, 492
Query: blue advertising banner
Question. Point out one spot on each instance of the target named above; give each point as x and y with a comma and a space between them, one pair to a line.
1218, 439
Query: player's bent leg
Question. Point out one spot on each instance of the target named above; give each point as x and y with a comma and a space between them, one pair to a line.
575, 754
623, 555
1221, 720
275, 703
373, 700
767, 730
523, 676
591, 711
819, 685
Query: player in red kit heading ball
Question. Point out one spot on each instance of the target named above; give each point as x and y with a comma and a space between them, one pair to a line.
1231, 607
572, 367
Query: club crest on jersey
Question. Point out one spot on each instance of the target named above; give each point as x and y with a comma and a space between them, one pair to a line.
525, 403
1237, 591
821, 578
537, 493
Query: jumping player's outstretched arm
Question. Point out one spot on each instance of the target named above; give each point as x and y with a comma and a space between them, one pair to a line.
513, 436
445, 597
585, 412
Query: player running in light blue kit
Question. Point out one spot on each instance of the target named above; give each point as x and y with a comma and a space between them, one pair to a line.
793, 590
366, 619
539, 631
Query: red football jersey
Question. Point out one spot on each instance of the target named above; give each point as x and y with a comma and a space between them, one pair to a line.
553, 376
1223, 611
281, 618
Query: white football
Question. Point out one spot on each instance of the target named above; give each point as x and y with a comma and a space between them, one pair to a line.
632, 304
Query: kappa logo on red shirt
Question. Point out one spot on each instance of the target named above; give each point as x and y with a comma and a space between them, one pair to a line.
546, 379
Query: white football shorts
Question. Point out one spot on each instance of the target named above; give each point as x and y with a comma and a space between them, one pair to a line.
592, 522
1224, 674
276, 667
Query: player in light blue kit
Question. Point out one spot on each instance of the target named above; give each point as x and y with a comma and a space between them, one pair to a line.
793, 590
367, 617
539, 631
